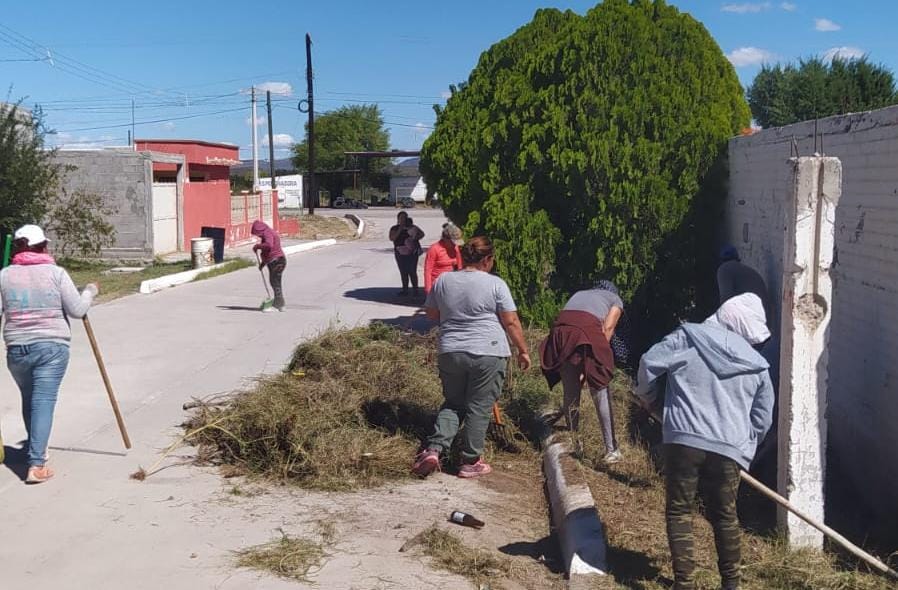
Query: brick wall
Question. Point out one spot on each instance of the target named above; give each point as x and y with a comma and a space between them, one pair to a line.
124, 179
863, 359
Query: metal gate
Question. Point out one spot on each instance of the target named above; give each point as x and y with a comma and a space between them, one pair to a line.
165, 218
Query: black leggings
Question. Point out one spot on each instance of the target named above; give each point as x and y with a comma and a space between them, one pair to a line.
275, 274
408, 270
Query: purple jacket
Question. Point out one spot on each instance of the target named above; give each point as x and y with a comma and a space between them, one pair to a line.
270, 246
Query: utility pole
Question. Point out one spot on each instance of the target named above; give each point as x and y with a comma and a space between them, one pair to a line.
255, 145
313, 194
133, 136
270, 141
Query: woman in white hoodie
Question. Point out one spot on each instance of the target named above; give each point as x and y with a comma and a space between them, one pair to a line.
718, 405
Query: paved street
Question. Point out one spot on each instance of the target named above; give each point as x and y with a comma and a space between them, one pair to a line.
93, 527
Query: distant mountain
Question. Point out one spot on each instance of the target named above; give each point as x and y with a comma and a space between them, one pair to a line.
279, 164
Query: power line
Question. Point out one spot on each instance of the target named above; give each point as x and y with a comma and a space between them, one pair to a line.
150, 122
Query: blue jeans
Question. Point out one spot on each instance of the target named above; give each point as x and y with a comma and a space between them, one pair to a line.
38, 370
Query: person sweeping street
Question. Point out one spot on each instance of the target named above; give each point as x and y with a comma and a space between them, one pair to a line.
442, 256
578, 351
37, 298
272, 256
718, 406
477, 317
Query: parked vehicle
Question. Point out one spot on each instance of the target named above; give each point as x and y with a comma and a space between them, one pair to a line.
406, 202
348, 203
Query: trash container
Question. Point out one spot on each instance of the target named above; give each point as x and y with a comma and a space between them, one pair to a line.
218, 240
201, 250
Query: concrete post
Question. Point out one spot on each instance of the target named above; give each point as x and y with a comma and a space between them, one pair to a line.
806, 305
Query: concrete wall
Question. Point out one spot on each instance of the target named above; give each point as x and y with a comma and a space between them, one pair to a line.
124, 179
863, 355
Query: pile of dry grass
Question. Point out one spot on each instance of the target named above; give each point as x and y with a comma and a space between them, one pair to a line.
289, 557
350, 412
452, 554
630, 499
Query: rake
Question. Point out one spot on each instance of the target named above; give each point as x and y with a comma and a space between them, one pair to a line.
268, 303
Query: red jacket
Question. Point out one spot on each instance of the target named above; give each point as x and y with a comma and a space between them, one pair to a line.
577, 336
440, 258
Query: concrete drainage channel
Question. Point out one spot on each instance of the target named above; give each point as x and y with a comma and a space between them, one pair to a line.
574, 515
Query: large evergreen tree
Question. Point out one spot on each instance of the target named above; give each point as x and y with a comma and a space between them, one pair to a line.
580, 143
786, 94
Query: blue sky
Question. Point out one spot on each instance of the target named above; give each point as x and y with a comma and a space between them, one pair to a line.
187, 68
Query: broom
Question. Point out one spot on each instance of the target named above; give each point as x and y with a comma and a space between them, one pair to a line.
268, 303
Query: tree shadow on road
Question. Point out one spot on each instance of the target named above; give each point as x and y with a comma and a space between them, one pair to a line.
416, 322
385, 295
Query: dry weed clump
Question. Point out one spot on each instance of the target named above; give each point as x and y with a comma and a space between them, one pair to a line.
289, 557
348, 413
452, 554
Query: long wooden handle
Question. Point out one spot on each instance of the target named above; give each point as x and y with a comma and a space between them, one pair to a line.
107, 382
829, 532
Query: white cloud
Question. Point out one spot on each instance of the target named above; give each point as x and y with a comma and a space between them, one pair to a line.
846, 53
446, 94
168, 125
281, 140
749, 56
746, 7
824, 25
281, 88
422, 129
259, 121
789, 6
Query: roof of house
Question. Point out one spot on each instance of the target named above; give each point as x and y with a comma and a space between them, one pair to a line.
190, 142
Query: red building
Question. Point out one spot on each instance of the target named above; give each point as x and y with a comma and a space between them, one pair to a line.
198, 194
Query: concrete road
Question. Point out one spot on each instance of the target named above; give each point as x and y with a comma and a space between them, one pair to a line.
92, 527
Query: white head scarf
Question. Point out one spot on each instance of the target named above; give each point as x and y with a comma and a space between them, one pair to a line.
744, 315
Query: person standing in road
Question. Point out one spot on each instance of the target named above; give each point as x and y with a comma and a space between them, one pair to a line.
477, 317
406, 238
718, 406
442, 256
37, 298
272, 256
578, 351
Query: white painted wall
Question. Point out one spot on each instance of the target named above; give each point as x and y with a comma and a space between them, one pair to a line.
863, 355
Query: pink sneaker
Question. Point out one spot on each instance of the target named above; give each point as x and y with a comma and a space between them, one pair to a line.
474, 469
426, 462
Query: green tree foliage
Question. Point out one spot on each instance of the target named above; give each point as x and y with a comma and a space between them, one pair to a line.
347, 129
579, 144
786, 94
31, 191
28, 175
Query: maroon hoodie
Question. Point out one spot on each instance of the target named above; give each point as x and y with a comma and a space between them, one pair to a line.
270, 246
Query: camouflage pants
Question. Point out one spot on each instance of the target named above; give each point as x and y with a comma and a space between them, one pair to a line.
687, 469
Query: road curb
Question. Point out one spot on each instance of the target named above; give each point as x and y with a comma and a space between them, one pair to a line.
308, 246
359, 222
173, 280
574, 515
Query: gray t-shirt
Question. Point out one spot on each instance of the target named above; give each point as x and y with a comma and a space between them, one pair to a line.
469, 302
598, 302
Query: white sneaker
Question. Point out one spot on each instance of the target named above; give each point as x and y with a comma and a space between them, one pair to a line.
613, 457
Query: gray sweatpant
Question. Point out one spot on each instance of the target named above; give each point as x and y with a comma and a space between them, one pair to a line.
571, 381
471, 384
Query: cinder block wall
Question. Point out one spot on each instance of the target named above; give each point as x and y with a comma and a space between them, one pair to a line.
124, 179
863, 359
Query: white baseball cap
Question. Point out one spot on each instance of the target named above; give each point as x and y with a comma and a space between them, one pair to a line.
32, 233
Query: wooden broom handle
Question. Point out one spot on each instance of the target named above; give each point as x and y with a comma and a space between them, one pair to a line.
118, 414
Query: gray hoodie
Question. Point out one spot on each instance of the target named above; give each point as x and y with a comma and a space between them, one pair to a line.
718, 398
